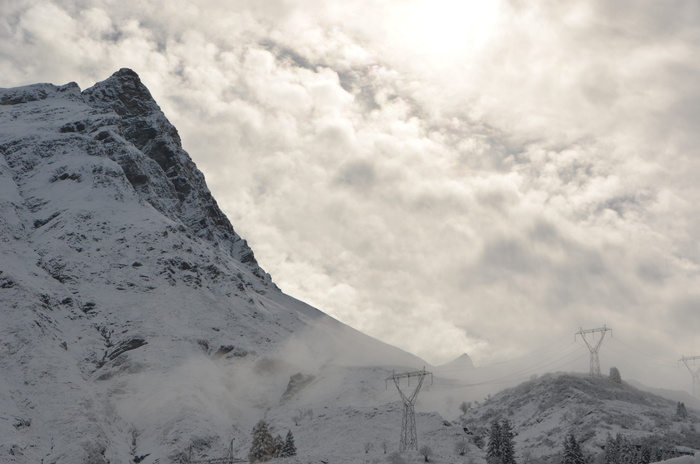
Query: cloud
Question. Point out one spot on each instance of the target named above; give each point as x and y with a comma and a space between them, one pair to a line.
441, 190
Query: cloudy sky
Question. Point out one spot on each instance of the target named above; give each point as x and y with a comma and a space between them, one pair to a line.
447, 175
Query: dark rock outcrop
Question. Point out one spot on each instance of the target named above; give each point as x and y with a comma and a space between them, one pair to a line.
161, 172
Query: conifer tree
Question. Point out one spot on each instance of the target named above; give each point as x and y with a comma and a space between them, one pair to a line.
279, 444
500, 448
681, 412
289, 448
626, 451
507, 447
613, 449
572, 451
493, 448
644, 454
615, 375
610, 454
263, 446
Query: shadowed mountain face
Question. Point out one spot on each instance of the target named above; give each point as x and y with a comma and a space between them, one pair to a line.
133, 319
165, 176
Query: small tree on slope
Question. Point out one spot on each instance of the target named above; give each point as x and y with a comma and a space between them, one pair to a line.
615, 375
279, 444
627, 452
612, 449
507, 446
461, 447
263, 447
493, 448
289, 448
500, 448
681, 412
426, 451
572, 451
395, 458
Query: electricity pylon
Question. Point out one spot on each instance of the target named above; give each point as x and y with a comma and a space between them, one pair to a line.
694, 372
593, 348
409, 437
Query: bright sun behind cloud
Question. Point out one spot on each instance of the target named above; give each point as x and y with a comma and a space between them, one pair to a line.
448, 27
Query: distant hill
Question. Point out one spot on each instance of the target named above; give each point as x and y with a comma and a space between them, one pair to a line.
461, 362
544, 410
673, 395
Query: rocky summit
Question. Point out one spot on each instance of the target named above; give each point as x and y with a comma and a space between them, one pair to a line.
135, 323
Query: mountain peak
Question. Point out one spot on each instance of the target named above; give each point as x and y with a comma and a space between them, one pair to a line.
173, 184
126, 73
123, 92
461, 361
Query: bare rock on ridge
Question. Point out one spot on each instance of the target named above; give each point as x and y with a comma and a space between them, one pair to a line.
162, 173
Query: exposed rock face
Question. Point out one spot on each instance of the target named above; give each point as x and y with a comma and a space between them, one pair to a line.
297, 382
161, 172
119, 274
113, 252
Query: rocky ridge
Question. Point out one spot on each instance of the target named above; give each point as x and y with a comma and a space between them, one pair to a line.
134, 321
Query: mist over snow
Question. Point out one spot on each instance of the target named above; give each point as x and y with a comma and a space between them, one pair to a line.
449, 177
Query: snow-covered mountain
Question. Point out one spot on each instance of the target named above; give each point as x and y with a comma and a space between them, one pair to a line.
135, 323
463, 361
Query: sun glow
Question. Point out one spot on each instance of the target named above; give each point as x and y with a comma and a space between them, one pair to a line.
447, 27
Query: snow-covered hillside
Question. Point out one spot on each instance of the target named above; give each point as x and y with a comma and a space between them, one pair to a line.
544, 410
133, 319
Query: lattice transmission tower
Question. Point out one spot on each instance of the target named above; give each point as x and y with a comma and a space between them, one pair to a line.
409, 437
594, 347
694, 371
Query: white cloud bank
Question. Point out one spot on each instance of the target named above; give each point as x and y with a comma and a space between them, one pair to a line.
481, 184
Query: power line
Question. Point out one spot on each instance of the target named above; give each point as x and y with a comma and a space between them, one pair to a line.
531, 369
551, 347
499, 381
513, 376
643, 353
544, 363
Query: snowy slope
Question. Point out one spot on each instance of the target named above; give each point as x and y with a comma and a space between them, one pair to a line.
544, 410
134, 320
684, 460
